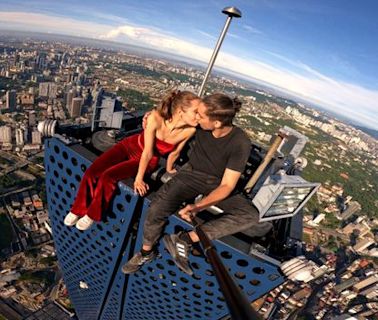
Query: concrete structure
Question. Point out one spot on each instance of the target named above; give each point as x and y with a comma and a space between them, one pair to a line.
159, 289
352, 208
36, 137
346, 284
70, 95
48, 90
76, 107
11, 100
20, 137
363, 244
6, 134
364, 283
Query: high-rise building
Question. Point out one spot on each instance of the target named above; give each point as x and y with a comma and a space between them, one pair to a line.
11, 97
53, 90
351, 209
32, 119
91, 261
108, 111
70, 95
36, 137
76, 107
20, 137
44, 89
27, 99
6, 134
48, 90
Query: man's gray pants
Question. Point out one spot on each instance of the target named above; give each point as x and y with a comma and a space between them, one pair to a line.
238, 214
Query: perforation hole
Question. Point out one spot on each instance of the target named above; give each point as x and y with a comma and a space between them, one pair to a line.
226, 255
74, 161
255, 282
258, 270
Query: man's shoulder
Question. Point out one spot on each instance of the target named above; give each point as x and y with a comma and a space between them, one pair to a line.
241, 135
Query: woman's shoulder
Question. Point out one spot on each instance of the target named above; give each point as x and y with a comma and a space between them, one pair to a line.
154, 118
189, 131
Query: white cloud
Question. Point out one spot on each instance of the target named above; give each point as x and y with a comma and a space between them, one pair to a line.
48, 23
252, 29
346, 98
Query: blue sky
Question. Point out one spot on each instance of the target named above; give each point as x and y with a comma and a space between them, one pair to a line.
324, 50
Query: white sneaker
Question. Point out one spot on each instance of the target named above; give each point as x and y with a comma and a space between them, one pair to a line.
70, 219
84, 223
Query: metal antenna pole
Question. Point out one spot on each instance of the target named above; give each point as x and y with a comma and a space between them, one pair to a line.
231, 12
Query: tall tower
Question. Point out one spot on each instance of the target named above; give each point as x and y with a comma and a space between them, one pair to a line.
91, 261
11, 100
6, 134
20, 137
75, 110
69, 97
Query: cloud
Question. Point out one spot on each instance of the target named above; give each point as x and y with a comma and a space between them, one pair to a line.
49, 23
208, 35
251, 29
342, 97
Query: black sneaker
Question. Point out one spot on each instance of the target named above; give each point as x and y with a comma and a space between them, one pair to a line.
179, 250
137, 261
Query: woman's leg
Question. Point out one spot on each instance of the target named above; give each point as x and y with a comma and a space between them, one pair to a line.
107, 184
90, 178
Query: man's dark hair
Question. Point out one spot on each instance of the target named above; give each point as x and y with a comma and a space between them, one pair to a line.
222, 108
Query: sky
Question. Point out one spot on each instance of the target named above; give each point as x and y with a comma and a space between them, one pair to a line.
325, 51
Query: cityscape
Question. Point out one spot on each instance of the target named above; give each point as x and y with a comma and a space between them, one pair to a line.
45, 79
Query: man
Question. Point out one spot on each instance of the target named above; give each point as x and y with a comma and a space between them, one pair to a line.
218, 158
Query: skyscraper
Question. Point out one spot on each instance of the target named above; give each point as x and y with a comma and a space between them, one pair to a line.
36, 137
44, 89
48, 90
91, 261
70, 95
76, 107
32, 119
6, 134
11, 97
20, 137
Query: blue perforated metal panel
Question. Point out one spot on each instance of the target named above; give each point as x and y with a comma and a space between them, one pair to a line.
159, 290
88, 256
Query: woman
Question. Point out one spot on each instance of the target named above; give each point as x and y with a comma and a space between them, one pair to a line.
168, 128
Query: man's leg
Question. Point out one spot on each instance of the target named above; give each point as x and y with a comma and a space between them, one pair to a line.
238, 215
167, 200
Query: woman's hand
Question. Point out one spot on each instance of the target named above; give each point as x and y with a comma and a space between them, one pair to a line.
172, 171
140, 187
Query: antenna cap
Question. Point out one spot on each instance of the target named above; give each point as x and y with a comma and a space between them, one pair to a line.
232, 12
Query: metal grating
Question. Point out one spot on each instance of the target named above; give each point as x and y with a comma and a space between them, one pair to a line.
90, 256
159, 290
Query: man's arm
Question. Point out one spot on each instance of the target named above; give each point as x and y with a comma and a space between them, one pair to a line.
229, 180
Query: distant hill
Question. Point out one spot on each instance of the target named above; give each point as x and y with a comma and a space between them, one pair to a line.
371, 132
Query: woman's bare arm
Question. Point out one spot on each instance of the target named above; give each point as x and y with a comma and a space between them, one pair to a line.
148, 151
172, 157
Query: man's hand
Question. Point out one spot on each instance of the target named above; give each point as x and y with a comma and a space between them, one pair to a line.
144, 120
187, 212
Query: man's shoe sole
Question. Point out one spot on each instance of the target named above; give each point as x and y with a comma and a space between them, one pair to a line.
171, 249
149, 261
